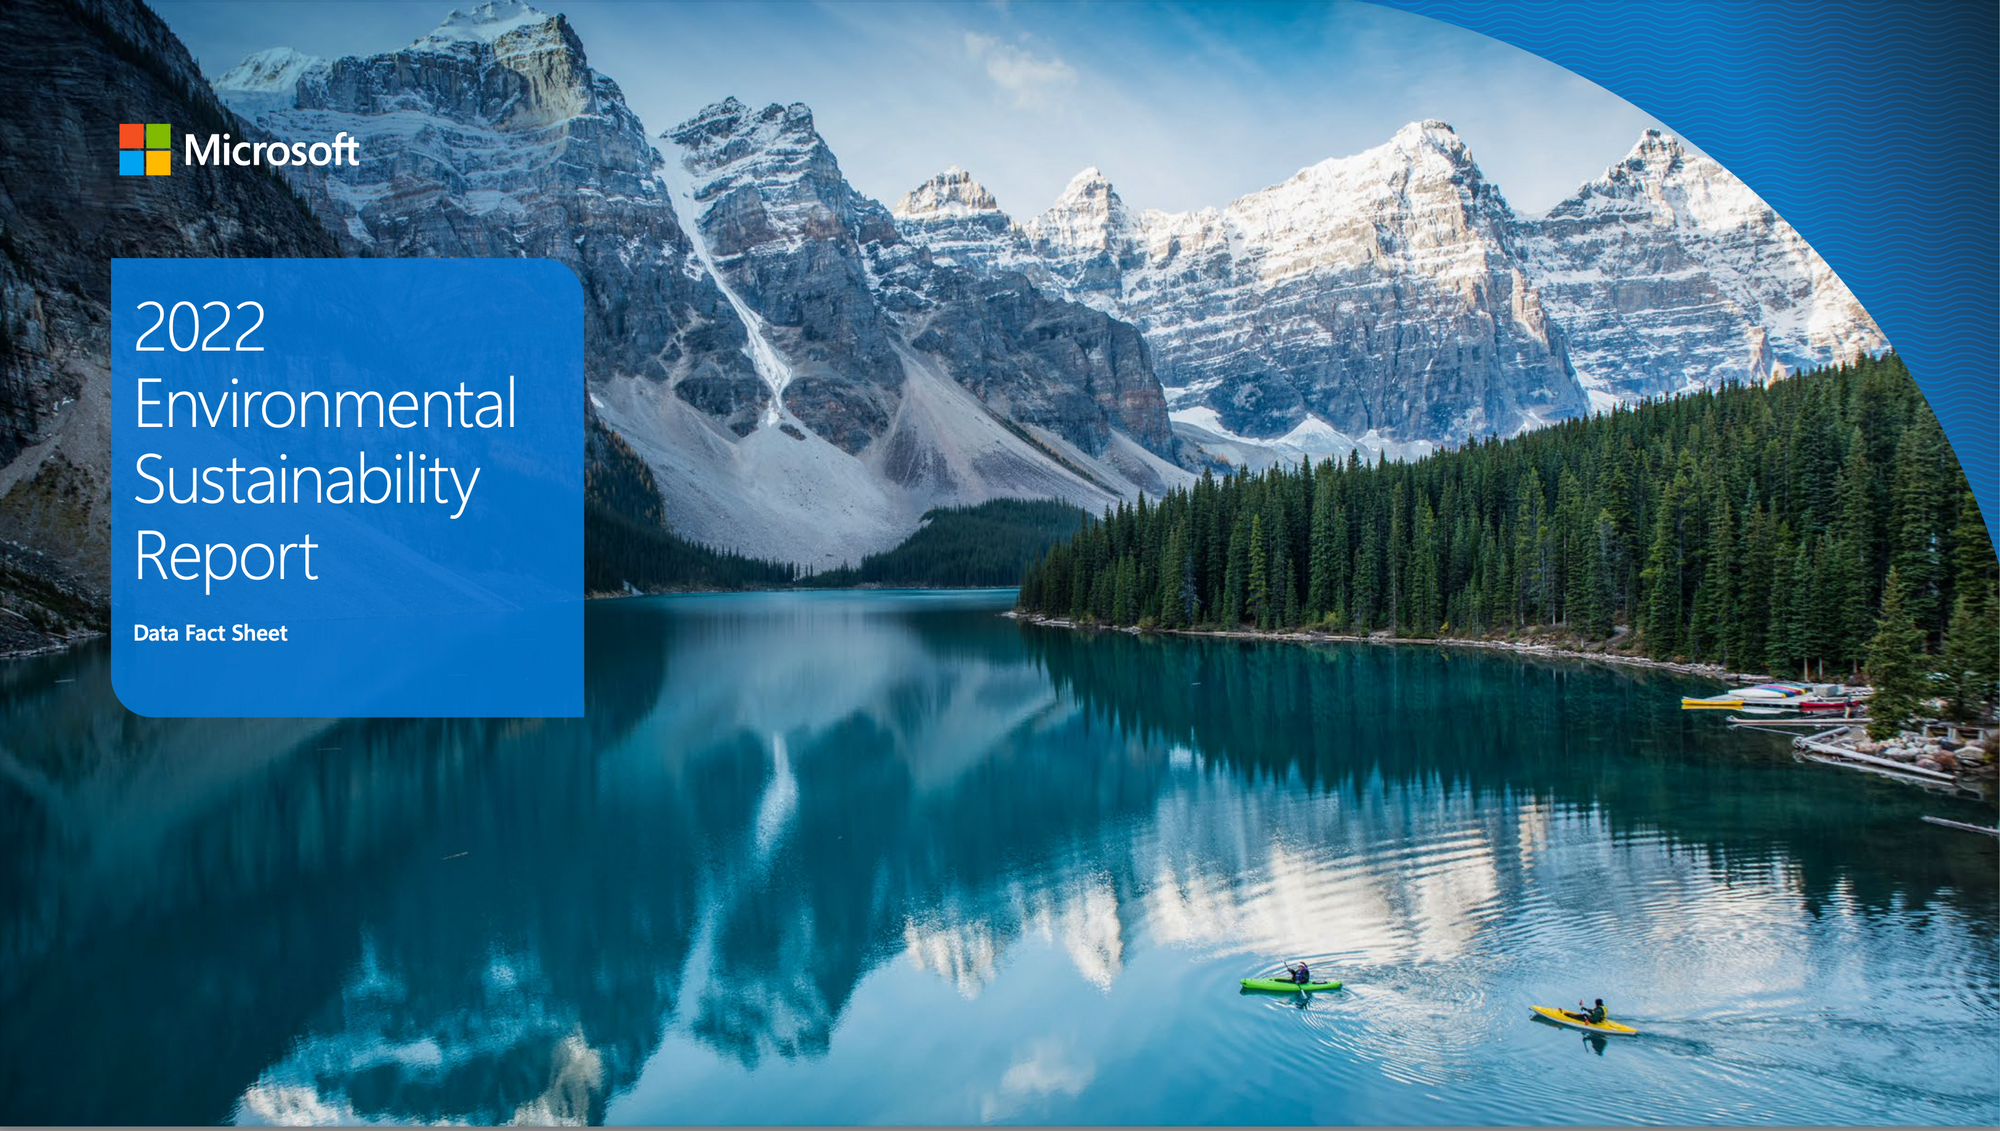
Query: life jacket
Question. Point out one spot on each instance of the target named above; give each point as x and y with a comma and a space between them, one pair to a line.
1597, 1015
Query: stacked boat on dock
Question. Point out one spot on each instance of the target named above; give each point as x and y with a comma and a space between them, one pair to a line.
1778, 698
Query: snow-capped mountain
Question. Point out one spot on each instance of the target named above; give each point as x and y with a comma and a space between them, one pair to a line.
962, 224
806, 372
267, 80
803, 382
1377, 299
1089, 241
1393, 300
898, 383
492, 136
1668, 273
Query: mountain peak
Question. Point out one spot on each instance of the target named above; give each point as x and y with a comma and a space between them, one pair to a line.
1423, 142
1431, 132
1090, 182
274, 70
729, 130
950, 193
1660, 166
1429, 149
1087, 216
483, 24
1655, 149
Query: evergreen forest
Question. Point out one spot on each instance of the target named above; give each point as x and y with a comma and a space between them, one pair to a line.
987, 545
1764, 528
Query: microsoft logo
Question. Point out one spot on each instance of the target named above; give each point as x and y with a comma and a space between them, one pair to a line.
145, 150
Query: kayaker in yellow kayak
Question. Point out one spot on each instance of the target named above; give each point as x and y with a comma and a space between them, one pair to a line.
1592, 1015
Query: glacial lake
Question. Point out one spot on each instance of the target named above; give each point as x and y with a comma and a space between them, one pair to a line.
891, 857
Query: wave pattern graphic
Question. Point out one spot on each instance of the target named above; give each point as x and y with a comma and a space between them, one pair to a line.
1869, 125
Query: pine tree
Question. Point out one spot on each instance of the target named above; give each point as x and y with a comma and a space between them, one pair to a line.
1781, 638
1621, 563
1895, 663
1424, 597
1367, 600
1236, 575
1708, 630
1399, 558
1572, 530
1836, 592
1749, 616
1343, 565
1860, 523
1662, 577
1527, 550
1972, 561
1597, 609
1688, 519
1812, 462
1915, 520
1322, 571
1176, 571
1972, 652
1260, 573
1284, 566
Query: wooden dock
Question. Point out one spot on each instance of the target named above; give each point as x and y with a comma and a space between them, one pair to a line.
1963, 825
1837, 755
1824, 724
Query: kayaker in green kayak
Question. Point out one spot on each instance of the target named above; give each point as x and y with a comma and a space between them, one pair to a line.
1594, 1015
1300, 974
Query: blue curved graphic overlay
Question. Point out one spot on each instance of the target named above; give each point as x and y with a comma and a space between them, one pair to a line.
1869, 126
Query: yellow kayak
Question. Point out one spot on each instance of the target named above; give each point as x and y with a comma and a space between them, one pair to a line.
1561, 1018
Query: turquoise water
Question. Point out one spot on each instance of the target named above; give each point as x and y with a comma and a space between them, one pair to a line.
841, 857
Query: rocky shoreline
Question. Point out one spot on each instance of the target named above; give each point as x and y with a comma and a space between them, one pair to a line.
1962, 758
1519, 647
1951, 763
28, 646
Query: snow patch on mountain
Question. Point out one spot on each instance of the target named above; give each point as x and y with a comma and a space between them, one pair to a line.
1311, 438
951, 194
277, 69
771, 366
482, 25
267, 80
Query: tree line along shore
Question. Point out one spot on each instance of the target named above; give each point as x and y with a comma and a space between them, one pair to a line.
1816, 527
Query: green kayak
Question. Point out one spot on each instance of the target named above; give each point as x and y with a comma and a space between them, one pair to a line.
1287, 986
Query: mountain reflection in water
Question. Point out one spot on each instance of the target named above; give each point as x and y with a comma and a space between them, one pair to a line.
887, 856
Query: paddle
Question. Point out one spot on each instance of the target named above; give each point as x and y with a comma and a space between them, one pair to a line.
1289, 963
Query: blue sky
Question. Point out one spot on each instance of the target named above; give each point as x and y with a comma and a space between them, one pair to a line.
1181, 105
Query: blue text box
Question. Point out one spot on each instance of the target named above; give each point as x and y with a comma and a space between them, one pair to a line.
289, 400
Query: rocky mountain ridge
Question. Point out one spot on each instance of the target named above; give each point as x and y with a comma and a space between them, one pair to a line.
1667, 273
757, 330
492, 136
1394, 300
1391, 301
63, 217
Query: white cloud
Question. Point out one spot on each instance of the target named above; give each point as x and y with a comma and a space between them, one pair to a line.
1033, 81
1048, 1068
